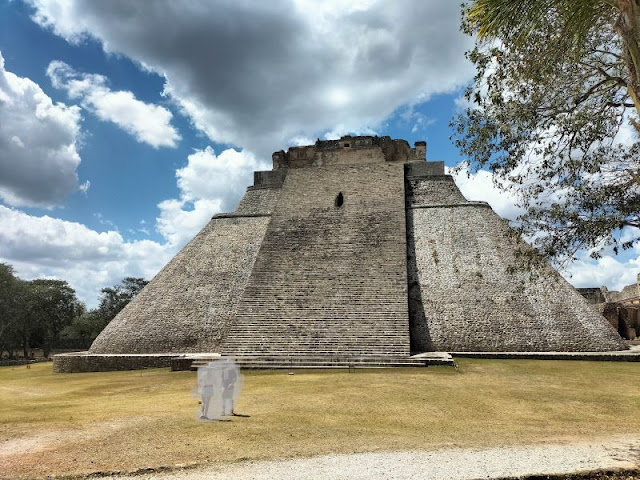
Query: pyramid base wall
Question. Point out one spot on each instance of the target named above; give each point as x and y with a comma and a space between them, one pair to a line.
82, 362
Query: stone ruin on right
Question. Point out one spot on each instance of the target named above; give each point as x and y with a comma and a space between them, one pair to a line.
622, 309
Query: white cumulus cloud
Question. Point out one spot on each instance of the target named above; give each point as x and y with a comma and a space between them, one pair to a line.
147, 122
209, 184
614, 273
257, 74
40, 247
479, 186
38, 144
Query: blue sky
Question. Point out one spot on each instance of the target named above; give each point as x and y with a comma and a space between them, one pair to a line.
125, 125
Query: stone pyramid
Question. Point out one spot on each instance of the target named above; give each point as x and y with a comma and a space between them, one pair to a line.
355, 246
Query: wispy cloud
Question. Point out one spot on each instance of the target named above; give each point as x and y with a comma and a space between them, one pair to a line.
147, 122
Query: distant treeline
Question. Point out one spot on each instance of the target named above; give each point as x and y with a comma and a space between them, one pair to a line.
46, 314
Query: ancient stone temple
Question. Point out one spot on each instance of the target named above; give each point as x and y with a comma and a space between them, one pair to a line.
622, 309
355, 246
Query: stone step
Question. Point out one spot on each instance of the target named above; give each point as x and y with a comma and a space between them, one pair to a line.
247, 353
310, 340
329, 353
286, 349
307, 338
319, 361
315, 347
299, 345
287, 334
315, 287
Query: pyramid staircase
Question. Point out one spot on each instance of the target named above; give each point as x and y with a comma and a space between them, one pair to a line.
305, 361
329, 281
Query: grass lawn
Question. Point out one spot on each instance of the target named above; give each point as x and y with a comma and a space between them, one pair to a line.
53, 424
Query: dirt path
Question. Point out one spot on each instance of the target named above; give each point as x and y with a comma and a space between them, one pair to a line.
50, 440
450, 464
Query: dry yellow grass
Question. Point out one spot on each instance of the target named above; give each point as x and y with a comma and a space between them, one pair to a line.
53, 424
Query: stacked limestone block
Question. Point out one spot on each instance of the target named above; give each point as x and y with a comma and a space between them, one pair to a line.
188, 305
257, 202
330, 278
355, 247
469, 289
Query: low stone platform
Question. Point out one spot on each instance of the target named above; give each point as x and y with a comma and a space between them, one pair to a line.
87, 362
78, 362
631, 355
188, 362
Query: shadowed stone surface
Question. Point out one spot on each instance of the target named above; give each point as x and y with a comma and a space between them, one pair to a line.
467, 295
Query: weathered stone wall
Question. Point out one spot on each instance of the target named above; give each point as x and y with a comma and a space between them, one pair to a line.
269, 178
347, 156
78, 363
438, 190
629, 322
593, 296
330, 279
421, 168
190, 301
466, 295
630, 294
625, 319
349, 150
258, 201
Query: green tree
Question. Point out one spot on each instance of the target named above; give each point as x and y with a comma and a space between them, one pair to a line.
113, 299
84, 328
554, 114
9, 309
51, 306
87, 325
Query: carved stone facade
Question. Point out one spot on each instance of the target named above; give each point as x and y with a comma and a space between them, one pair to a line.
622, 309
355, 246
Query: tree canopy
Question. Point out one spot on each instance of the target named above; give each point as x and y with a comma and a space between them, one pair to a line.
50, 305
46, 314
33, 313
88, 325
113, 299
554, 113
9, 306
